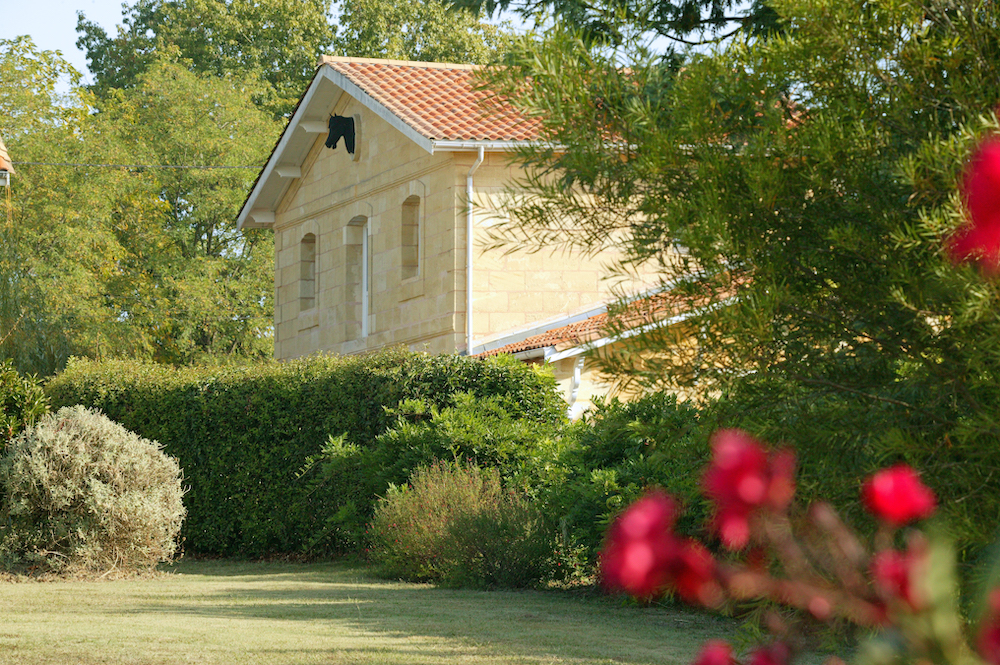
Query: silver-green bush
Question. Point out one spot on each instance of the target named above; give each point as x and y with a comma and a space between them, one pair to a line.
80, 491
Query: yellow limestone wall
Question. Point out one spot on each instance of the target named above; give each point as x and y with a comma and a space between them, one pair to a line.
337, 194
522, 288
419, 312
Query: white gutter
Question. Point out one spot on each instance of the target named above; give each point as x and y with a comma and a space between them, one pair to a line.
469, 218
473, 146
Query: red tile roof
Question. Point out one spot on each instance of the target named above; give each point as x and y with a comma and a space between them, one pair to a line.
5, 163
638, 313
651, 309
439, 100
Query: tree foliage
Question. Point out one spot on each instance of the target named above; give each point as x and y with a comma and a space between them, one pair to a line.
425, 31
279, 41
796, 191
142, 262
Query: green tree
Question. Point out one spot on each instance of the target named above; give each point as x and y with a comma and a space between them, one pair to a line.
135, 261
51, 306
799, 189
425, 31
278, 41
191, 281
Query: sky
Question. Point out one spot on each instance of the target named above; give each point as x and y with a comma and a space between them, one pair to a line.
52, 23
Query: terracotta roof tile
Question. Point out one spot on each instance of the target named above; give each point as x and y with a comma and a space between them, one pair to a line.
636, 314
5, 163
438, 100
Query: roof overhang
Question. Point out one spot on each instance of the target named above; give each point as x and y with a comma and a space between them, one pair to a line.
308, 121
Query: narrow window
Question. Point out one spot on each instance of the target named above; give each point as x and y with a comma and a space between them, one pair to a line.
358, 280
410, 230
307, 272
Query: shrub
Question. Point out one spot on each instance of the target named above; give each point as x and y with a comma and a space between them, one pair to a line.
617, 451
347, 479
456, 525
82, 492
22, 402
244, 433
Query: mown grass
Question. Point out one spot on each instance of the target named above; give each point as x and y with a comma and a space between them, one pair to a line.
282, 613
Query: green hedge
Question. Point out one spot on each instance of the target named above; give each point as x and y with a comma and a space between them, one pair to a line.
242, 433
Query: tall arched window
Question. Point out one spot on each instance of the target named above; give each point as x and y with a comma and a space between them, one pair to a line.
410, 237
307, 272
358, 278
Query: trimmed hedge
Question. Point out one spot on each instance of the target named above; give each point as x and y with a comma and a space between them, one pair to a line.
242, 433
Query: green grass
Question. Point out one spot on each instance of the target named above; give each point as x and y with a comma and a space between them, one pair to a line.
234, 613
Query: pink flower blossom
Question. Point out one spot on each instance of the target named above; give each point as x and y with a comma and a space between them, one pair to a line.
893, 573
979, 240
776, 653
641, 548
715, 652
897, 497
989, 631
743, 479
693, 575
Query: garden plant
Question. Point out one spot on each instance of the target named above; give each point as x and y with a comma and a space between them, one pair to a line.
79, 492
901, 585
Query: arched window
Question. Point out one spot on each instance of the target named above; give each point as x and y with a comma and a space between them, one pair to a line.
307, 272
410, 237
358, 278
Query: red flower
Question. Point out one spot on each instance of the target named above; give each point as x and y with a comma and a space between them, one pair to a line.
742, 479
776, 653
980, 239
640, 547
693, 575
896, 496
715, 652
893, 573
989, 631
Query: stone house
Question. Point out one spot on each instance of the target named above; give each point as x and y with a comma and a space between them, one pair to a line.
379, 240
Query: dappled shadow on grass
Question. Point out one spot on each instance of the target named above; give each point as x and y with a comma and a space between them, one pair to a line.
530, 625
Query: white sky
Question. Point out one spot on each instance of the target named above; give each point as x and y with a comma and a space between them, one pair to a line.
52, 23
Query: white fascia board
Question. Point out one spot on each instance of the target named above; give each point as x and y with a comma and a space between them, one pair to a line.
272, 162
532, 354
472, 146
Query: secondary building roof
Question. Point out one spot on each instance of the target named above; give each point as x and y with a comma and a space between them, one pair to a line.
570, 336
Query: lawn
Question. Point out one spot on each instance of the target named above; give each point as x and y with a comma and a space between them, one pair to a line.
282, 613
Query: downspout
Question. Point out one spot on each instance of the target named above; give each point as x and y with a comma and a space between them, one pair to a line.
468, 251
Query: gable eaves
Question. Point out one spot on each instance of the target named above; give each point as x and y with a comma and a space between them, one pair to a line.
309, 120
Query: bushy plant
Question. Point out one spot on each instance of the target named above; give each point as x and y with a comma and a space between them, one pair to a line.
22, 401
617, 451
456, 525
346, 479
244, 433
81, 492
